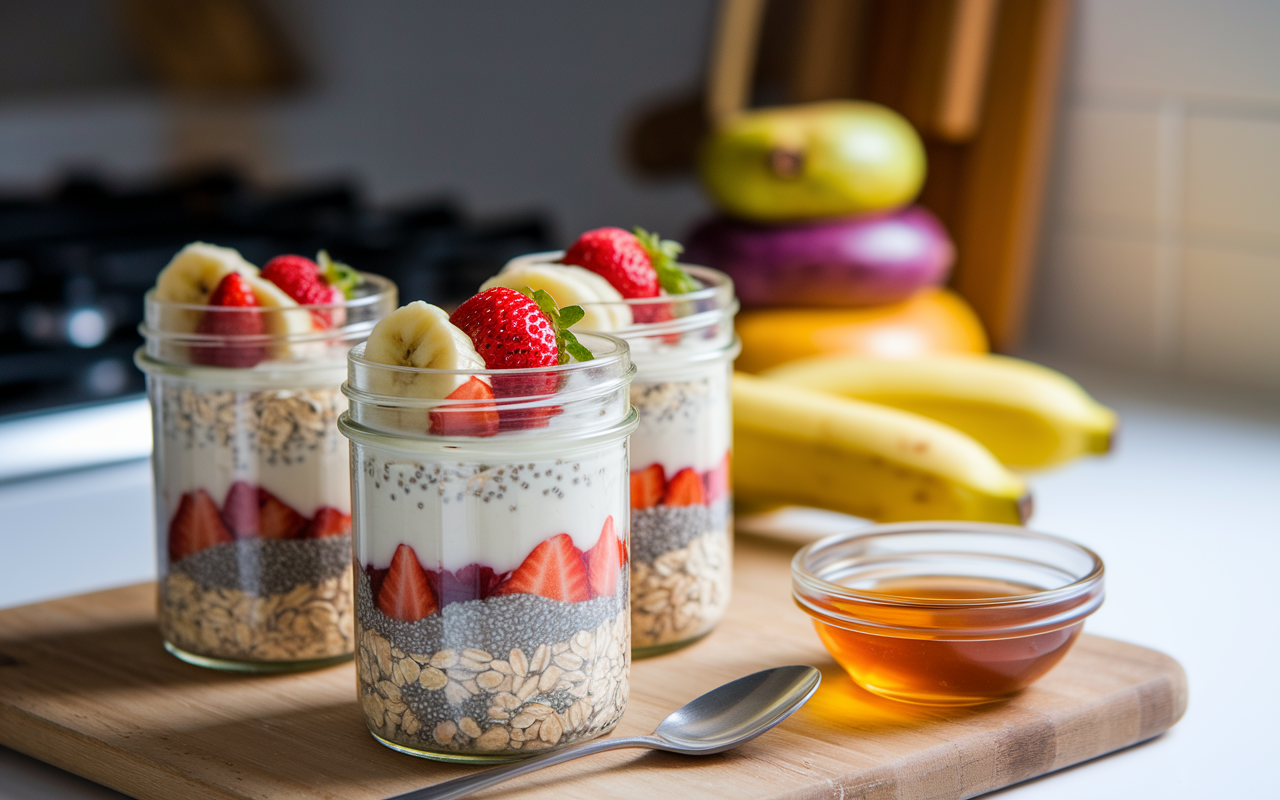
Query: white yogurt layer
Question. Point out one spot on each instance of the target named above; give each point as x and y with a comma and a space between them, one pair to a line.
683, 423
458, 513
322, 478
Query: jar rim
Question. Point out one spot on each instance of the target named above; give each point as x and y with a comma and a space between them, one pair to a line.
1064, 604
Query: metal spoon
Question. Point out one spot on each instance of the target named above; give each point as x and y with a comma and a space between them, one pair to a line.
721, 719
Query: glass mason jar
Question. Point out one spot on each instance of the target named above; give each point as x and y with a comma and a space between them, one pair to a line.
491, 587
252, 482
683, 347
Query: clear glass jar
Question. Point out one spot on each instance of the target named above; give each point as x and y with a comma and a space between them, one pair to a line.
683, 347
252, 481
947, 613
492, 589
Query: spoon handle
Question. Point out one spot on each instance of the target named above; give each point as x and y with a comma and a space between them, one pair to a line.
459, 787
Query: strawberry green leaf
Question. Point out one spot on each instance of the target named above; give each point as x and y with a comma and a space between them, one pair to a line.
337, 274
662, 255
561, 318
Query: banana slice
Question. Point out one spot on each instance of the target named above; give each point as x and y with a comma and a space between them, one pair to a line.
284, 318
190, 277
569, 286
420, 335
196, 271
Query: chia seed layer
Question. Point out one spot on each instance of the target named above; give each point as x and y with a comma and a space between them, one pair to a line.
662, 529
264, 567
497, 624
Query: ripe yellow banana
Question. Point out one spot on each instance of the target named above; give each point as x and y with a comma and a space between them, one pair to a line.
1026, 414
800, 446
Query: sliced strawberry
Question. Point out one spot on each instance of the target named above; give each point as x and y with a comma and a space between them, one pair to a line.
195, 526
685, 489
472, 582
405, 593
717, 480
604, 559
376, 577
276, 519
467, 419
328, 521
232, 292
648, 486
553, 570
240, 510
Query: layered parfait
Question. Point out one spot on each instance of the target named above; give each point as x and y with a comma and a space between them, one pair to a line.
678, 321
489, 458
252, 486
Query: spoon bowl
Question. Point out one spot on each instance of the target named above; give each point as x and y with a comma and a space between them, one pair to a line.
719, 720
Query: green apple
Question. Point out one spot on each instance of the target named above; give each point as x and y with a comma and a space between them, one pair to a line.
813, 161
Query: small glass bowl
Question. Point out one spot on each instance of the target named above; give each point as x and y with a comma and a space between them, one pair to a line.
947, 613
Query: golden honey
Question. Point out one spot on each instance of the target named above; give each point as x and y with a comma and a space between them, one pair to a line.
947, 614
939, 670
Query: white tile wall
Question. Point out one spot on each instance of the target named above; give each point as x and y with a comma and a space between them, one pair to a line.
1162, 244
1231, 315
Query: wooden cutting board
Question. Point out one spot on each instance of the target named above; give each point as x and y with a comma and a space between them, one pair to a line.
86, 686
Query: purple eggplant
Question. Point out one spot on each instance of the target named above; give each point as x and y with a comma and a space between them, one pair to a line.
866, 260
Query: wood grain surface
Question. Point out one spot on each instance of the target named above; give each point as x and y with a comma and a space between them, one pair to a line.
86, 686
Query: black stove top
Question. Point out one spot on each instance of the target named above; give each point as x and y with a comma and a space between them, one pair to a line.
75, 265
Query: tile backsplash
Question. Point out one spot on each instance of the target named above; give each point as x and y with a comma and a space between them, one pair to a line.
1161, 248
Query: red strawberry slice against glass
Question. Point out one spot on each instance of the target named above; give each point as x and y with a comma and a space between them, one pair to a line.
554, 570
405, 593
685, 489
226, 349
618, 257
196, 525
467, 419
326, 522
717, 480
604, 559
472, 582
376, 577
254, 513
648, 486
240, 510
276, 519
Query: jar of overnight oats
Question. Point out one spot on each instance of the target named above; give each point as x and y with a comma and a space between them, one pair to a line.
683, 346
491, 578
252, 479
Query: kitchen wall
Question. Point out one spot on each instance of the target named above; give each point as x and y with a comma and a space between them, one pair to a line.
1162, 240
507, 105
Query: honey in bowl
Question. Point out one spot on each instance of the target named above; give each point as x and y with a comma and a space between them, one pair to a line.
947, 614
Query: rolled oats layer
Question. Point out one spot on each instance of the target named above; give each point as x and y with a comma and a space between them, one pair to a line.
682, 593
297, 619
502, 676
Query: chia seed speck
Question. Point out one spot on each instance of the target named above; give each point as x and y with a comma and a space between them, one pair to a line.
264, 567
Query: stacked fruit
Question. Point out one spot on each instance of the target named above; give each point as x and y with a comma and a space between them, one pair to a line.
894, 412
246, 302
817, 215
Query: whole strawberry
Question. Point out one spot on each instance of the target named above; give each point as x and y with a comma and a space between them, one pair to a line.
312, 284
511, 330
619, 257
233, 291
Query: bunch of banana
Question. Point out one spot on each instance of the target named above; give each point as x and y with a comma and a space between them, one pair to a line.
794, 445
1027, 415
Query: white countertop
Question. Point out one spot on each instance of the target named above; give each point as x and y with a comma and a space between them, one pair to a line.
1186, 515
